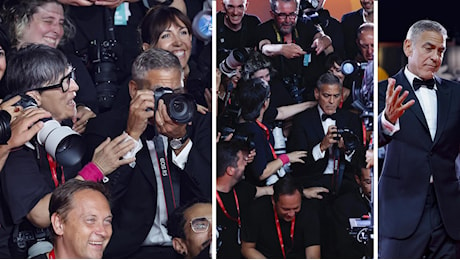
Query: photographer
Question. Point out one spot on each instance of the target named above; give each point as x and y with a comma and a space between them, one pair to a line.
42, 75
316, 131
166, 146
253, 97
293, 46
26, 21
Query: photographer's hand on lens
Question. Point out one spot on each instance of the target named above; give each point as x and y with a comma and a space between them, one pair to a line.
80, 120
165, 125
330, 138
26, 125
394, 107
141, 109
108, 156
296, 156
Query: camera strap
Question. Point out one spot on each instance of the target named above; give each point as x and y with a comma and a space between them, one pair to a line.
267, 135
278, 230
51, 255
53, 168
166, 178
222, 207
339, 168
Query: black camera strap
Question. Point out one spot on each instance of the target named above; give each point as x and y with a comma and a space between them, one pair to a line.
339, 168
169, 182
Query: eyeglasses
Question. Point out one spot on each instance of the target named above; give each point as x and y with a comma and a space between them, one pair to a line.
64, 84
283, 16
200, 224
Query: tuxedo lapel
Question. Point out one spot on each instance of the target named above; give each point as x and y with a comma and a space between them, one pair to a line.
144, 163
416, 108
444, 103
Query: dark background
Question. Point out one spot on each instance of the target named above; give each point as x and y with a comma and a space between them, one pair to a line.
396, 16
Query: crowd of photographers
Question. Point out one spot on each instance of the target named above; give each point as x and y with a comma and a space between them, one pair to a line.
104, 129
295, 102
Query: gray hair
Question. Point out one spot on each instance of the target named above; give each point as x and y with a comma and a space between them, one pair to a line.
33, 67
153, 59
274, 4
423, 26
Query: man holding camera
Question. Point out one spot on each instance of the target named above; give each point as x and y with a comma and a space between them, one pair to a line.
173, 157
316, 130
333, 139
294, 47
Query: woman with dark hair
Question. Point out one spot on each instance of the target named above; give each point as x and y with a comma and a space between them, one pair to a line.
253, 97
169, 29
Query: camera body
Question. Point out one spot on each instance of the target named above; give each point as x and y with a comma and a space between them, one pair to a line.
361, 229
103, 64
292, 84
61, 142
235, 59
181, 107
350, 139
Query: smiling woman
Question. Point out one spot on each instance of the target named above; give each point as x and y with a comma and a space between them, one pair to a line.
169, 29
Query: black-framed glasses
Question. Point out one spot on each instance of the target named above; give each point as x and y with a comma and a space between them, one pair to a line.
283, 16
64, 84
200, 224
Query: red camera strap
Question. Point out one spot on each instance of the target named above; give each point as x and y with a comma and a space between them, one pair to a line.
53, 168
280, 235
267, 135
221, 204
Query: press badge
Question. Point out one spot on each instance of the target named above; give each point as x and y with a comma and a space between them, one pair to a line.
306, 59
122, 14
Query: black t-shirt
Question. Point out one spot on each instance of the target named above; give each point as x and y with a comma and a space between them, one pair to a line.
245, 37
228, 229
264, 153
261, 229
302, 36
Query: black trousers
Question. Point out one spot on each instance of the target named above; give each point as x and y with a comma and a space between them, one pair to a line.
430, 239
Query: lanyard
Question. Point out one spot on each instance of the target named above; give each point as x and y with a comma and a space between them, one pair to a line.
53, 166
221, 204
267, 134
278, 36
280, 235
51, 255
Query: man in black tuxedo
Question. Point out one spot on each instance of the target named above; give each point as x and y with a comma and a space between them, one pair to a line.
418, 190
315, 130
139, 192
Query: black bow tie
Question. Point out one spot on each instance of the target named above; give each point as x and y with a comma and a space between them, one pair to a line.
326, 116
427, 83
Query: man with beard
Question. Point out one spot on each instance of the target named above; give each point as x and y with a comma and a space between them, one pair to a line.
291, 45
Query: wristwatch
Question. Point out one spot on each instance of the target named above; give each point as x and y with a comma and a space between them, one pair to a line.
177, 143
